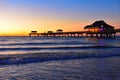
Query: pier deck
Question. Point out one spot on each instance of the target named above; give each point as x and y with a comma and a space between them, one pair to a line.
104, 34
67, 34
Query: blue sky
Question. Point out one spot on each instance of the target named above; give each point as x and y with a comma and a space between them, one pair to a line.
70, 8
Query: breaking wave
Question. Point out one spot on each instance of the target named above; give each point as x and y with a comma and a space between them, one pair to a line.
27, 48
41, 57
23, 50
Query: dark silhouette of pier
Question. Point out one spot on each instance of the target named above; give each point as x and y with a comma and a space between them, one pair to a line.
98, 29
59, 34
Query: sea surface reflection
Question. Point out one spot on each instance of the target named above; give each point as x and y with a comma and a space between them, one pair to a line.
59, 58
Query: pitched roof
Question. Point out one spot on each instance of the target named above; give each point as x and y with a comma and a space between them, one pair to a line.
59, 30
99, 24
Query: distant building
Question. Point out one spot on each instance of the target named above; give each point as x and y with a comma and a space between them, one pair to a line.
99, 26
49, 31
59, 31
33, 32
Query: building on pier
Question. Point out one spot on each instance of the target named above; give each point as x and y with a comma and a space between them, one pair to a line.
49, 31
59, 31
34, 33
100, 29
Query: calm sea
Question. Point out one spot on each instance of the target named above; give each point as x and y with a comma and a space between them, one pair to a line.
59, 58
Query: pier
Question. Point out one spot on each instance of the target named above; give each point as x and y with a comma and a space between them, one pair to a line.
98, 29
78, 34
62, 34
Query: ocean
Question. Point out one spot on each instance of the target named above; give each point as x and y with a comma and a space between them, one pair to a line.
59, 58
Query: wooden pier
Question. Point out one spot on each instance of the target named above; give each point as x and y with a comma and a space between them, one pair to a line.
105, 34
61, 34
98, 29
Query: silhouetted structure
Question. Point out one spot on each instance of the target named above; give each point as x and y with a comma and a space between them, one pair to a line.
33, 33
59, 31
100, 29
49, 31
117, 30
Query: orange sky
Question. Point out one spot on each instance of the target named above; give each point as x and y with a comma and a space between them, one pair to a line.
19, 17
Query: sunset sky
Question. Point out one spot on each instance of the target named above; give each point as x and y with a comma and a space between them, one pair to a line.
19, 17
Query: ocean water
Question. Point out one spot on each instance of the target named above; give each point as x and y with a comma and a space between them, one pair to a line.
59, 58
